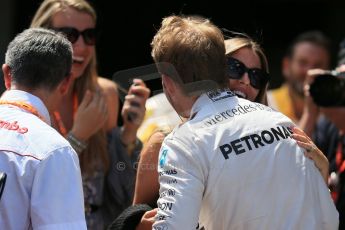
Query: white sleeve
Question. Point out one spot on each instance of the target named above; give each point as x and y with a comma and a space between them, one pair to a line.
181, 190
330, 215
57, 200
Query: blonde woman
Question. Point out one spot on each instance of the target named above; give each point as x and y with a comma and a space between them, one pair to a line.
244, 55
88, 116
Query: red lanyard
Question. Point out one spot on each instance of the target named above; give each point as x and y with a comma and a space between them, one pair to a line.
60, 125
340, 166
25, 106
340, 162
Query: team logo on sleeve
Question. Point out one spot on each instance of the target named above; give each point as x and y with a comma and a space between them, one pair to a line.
163, 158
161, 227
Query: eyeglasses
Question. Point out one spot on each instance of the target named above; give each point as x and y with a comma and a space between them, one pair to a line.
72, 34
235, 69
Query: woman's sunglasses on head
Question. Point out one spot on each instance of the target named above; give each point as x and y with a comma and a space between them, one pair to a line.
236, 69
72, 34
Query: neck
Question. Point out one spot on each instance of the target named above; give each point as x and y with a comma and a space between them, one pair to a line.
45, 95
186, 107
69, 93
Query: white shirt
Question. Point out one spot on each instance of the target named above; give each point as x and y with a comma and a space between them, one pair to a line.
233, 165
43, 188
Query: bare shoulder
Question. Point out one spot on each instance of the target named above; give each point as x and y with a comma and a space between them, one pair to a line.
107, 85
151, 149
109, 89
155, 140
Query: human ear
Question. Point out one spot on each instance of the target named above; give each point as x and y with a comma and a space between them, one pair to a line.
168, 84
65, 84
7, 75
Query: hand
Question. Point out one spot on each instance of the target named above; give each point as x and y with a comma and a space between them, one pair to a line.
310, 110
91, 115
312, 151
147, 220
341, 68
133, 110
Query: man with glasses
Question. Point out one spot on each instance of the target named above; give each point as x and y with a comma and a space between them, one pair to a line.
43, 187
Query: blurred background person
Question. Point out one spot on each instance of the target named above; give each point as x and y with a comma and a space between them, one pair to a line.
309, 50
328, 132
88, 117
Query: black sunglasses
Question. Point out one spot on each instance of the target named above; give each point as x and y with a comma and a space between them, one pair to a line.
72, 34
235, 69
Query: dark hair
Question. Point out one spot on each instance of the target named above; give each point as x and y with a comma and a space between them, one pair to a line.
315, 37
39, 57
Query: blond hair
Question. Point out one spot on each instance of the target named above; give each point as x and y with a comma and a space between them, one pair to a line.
194, 46
98, 142
234, 44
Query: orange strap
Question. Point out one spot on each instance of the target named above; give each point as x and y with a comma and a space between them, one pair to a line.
25, 106
340, 162
61, 127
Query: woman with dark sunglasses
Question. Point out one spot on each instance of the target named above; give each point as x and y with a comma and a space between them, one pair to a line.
248, 75
247, 69
88, 117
